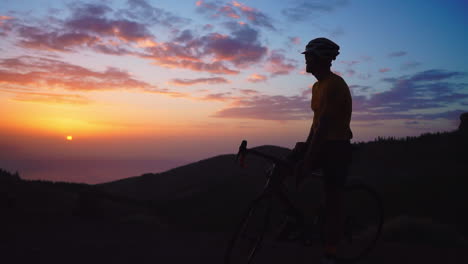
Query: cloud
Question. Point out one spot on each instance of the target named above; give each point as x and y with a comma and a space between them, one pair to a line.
409, 65
5, 25
223, 97
51, 98
189, 82
248, 91
412, 123
212, 52
255, 78
359, 88
349, 63
90, 26
382, 70
366, 58
265, 107
295, 40
254, 16
235, 10
397, 54
37, 73
423, 96
35, 38
305, 9
100, 28
140, 10
278, 64
185, 36
242, 48
5, 18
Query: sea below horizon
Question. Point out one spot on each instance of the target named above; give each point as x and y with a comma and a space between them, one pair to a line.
86, 171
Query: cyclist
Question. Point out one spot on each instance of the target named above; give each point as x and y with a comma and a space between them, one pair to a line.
328, 144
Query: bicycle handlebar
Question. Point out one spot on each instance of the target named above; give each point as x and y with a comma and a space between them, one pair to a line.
243, 151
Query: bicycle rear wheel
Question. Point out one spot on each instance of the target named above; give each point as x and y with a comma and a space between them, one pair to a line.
363, 222
249, 235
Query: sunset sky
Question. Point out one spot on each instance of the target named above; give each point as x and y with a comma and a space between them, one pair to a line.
172, 82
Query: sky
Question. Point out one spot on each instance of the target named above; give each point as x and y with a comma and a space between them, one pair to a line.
173, 82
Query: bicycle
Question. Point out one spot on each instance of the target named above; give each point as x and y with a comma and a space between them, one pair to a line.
362, 226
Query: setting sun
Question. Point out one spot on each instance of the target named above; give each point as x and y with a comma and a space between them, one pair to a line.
69, 138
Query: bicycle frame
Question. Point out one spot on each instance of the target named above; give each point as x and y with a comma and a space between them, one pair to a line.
275, 188
274, 184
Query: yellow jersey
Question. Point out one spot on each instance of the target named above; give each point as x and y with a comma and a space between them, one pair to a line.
332, 97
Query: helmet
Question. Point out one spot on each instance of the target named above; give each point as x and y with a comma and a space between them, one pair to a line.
323, 47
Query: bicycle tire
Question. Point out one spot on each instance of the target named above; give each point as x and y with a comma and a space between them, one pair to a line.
363, 225
250, 232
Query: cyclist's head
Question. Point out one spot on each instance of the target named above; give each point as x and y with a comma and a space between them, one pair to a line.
319, 53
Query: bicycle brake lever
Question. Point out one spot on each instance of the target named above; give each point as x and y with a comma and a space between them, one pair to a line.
242, 153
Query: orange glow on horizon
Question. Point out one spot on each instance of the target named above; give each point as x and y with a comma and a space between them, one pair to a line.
69, 138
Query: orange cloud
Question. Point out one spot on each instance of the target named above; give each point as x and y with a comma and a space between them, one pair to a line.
188, 82
51, 98
36, 73
248, 91
254, 78
295, 40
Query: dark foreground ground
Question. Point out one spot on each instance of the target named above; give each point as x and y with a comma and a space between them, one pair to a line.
185, 215
96, 242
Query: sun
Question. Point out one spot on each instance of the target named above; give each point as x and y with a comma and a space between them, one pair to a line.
69, 138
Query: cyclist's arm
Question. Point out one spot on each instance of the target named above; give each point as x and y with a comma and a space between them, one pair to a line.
316, 140
311, 134
319, 137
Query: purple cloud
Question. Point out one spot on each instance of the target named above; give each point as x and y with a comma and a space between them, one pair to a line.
241, 49
304, 9
267, 107
189, 82
409, 65
235, 10
141, 10
382, 70
397, 54
278, 64
419, 96
30, 74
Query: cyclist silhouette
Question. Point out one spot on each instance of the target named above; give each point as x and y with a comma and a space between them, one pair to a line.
328, 144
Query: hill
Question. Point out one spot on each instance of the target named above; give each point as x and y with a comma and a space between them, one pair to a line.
422, 176
193, 208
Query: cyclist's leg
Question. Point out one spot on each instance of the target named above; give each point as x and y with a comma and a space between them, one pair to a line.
334, 216
336, 164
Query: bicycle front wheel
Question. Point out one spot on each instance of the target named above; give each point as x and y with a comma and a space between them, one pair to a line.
249, 235
363, 222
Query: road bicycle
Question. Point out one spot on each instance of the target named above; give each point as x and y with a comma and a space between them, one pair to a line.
261, 224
